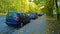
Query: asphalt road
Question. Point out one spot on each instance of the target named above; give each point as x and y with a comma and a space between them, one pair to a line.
37, 26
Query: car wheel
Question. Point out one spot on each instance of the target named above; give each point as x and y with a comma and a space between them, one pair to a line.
28, 21
21, 24
9, 25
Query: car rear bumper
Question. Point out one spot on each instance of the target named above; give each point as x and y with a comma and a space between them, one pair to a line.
10, 24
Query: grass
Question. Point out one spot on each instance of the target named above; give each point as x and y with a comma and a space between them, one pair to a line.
53, 26
2, 14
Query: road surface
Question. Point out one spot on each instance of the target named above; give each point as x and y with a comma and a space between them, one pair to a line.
37, 26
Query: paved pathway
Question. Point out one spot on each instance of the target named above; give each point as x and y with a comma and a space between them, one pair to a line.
37, 26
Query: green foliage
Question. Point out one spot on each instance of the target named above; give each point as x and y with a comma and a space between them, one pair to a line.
13, 5
37, 1
49, 6
6, 5
24, 6
33, 8
19, 6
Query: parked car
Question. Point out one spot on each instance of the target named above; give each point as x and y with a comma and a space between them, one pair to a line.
40, 14
33, 16
17, 18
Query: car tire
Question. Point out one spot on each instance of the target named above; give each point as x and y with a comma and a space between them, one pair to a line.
21, 24
9, 25
28, 21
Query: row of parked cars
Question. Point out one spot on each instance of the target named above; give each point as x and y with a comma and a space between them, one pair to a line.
20, 18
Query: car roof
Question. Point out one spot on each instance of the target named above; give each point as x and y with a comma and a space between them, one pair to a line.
15, 12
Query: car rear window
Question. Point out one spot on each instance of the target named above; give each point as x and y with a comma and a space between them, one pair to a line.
11, 14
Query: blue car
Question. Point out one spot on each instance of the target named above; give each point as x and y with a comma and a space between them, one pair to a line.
33, 16
17, 18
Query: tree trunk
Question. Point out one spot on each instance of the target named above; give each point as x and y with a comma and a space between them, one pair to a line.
57, 9
51, 7
51, 12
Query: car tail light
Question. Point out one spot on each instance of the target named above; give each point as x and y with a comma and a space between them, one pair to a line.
18, 18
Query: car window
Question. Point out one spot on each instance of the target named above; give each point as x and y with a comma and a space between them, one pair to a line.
11, 14
14, 15
23, 15
26, 15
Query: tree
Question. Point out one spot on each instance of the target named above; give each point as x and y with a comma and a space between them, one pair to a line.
14, 5
33, 7
6, 5
57, 9
37, 1
49, 7
24, 6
